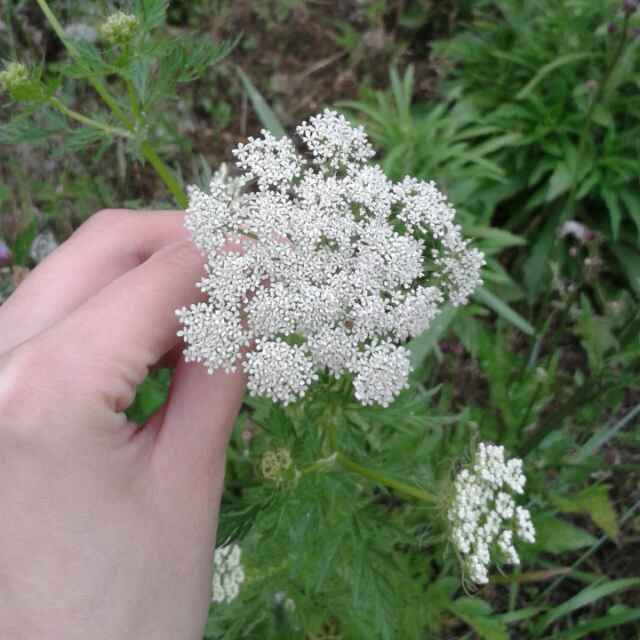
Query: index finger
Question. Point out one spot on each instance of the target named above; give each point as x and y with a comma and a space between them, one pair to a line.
108, 245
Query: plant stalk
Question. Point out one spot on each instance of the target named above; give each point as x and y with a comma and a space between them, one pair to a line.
74, 115
380, 478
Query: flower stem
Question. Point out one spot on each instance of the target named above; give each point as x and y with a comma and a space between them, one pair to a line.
165, 174
380, 478
74, 115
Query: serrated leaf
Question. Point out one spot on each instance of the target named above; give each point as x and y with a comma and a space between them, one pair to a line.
151, 13
82, 137
477, 614
596, 503
555, 535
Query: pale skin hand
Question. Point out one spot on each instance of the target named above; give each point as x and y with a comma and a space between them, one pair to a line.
107, 531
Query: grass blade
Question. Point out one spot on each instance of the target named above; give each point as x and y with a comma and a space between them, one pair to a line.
265, 113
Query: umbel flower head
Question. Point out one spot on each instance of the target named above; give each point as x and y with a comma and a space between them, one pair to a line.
320, 263
228, 574
119, 28
484, 516
14, 76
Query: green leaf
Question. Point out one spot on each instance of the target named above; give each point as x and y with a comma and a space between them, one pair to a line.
477, 614
151, 13
629, 260
547, 69
82, 137
560, 181
23, 243
267, 117
150, 395
596, 503
603, 435
587, 629
503, 310
422, 345
631, 202
588, 596
615, 212
557, 536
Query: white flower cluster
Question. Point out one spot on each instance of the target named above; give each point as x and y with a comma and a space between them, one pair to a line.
319, 262
484, 515
119, 27
228, 573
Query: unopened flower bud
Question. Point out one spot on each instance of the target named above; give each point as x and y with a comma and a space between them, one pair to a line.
14, 77
275, 463
630, 6
119, 28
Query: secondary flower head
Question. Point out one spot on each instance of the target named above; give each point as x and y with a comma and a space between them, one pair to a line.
14, 77
119, 27
275, 464
483, 514
321, 263
228, 573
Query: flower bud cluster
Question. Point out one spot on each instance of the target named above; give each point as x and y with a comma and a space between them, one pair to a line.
14, 77
320, 263
228, 573
119, 28
484, 516
275, 463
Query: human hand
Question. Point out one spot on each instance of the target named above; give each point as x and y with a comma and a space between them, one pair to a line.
107, 530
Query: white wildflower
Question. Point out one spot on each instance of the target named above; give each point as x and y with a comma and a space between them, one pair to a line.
483, 513
322, 264
14, 76
119, 28
228, 573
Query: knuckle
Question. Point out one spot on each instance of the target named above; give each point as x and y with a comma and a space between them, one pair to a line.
182, 255
19, 385
106, 220
30, 400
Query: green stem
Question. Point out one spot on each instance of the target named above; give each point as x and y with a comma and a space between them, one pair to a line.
380, 478
165, 174
133, 99
74, 115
